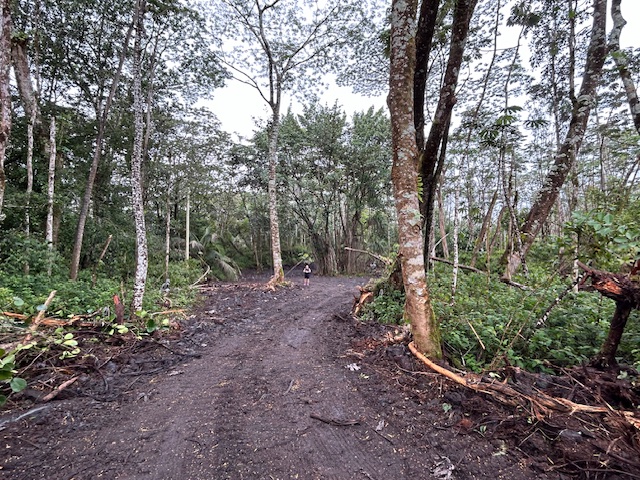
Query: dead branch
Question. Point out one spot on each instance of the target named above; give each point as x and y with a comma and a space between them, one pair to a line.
545, 316
463, 267
195, 284
34, 325
616, 286
542, 402
57, 390
94, 274
385, 260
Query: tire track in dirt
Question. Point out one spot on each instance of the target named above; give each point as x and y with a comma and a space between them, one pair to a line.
243, 410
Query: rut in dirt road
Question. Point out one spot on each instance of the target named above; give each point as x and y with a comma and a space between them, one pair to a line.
247, 410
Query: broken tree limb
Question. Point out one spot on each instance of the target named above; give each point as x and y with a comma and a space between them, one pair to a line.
543, 404
545, 316
34, 325
50, 396
463, 267
616, 286
385, 260
626, 293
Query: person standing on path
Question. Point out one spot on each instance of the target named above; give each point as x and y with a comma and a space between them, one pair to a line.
307, 274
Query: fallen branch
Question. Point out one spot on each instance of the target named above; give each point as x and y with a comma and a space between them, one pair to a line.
195, 284
34, 325
335, 422
60, 388
543, 403
385, 260
543, 319
463, 267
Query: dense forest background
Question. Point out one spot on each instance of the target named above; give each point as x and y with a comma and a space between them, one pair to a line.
116, 176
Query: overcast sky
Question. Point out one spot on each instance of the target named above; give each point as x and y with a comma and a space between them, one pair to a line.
238, 105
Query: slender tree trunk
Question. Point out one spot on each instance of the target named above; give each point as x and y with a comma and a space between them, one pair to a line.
565, 158
51, 179
607, 355
404, 174
187, 229
441, 224
456, 224
5, 94
142, 256
484, 229
101, 116
29, 191
274, 131
431, 161
622, 63
167, 235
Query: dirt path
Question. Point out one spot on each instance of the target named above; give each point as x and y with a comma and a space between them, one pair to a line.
270, 397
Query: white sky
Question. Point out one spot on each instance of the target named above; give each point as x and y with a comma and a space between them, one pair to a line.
238, 105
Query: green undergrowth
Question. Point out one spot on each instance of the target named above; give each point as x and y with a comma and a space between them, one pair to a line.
491, 324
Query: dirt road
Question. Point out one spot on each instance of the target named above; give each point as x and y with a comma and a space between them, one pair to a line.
264, 389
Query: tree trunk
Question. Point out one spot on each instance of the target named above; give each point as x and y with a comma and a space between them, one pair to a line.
167, 235
565, 158
404, 175
142, 256
456, 224
607, 355
5, 94
484, 229
625, 291
101, 117
51, 179
274, 130
441, 224
187, 229
431, 161
622, 63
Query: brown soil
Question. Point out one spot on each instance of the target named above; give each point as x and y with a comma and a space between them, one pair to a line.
286, 385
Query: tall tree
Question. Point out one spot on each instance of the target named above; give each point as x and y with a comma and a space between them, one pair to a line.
620, 58
102, 107
565, 157
5, 94
281, 46
433, 147
142, 257
404, 175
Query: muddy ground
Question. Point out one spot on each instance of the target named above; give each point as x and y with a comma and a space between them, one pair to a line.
258, 384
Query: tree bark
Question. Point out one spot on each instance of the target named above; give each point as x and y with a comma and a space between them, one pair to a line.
622, 63
565, 158
274, 130
483, 230
404, 173
607, 355
441, 225
5, 94
51, 179
142, 256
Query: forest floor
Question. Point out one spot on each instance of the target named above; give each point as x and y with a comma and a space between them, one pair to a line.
257, 384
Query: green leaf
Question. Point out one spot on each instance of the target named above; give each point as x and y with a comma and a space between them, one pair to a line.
18, 302
18, 384
5, 375
3, 400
